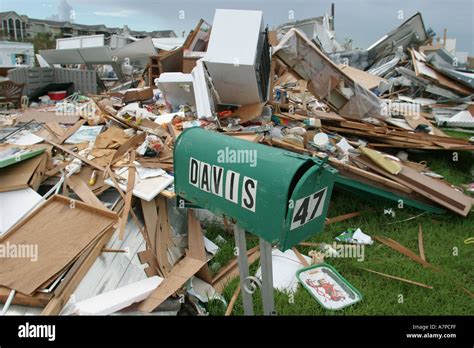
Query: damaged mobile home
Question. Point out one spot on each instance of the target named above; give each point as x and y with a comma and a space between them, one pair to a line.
115, 161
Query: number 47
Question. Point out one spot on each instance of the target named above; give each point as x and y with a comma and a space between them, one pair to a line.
308, 208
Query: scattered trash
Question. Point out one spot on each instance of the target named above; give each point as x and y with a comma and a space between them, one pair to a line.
285, 266
354, 236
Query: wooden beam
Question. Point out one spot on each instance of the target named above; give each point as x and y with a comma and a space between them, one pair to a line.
72, 153
420, 242
128, 197
232, 301
398, 278
37, 300
342, 217
83, 191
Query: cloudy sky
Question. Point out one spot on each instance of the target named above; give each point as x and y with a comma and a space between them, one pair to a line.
364, 21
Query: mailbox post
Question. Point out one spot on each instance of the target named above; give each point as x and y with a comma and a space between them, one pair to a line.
280, 196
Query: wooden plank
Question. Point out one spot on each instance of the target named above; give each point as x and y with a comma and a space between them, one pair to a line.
342, 217
300, 257
428, 187
149, 257
398, 278
369, 175
232, 301
163, 234
72, 153
233, 272
55, 130
150, 215
232, 264
420, 242
37, 300
117, 186
128, 196
83, 191
71, 130
382, 137
363, 78
196, 246
180, 273
404, 250
129, 144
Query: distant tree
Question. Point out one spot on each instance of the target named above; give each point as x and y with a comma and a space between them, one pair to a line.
43, 41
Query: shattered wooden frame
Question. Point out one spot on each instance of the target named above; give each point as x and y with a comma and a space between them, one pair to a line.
325, 80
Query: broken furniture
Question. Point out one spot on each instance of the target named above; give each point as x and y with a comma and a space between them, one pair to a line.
281, 208
11, 93
166, 61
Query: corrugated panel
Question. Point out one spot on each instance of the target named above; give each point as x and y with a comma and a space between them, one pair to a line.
84, 80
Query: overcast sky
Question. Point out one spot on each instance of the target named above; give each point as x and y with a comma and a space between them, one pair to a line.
364, 21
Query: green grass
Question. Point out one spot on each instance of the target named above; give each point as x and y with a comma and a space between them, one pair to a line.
443, 236
456, 134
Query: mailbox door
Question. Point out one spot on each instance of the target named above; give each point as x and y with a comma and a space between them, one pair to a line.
308, 205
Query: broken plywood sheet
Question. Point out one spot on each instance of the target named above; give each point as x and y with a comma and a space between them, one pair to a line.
435, 190
58, 241
42, 116
155, 214
363, 78
83, 191
184, 270
112, 138
248, 112
196, 246
23, 174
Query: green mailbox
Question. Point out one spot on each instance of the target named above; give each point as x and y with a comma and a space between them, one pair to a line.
278, 195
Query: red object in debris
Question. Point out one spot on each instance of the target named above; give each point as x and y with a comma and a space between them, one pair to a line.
224, 114
59, 95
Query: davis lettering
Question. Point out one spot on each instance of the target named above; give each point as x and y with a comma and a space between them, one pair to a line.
212, 179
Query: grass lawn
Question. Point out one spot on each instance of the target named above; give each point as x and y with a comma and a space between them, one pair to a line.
444, 237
